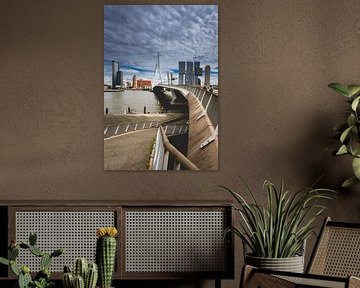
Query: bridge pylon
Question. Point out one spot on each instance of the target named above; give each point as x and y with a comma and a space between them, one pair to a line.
157, 71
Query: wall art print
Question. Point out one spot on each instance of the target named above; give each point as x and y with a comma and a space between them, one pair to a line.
161, 93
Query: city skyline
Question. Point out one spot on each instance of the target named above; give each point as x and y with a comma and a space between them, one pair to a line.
134, 34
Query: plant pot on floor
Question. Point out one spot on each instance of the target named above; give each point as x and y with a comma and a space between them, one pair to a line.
290, 264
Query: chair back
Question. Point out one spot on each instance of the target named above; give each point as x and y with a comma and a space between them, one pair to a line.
337, 251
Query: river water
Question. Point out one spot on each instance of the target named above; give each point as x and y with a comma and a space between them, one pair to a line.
118, 102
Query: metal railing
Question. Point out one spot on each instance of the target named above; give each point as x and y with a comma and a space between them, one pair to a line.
122, 128
208, 99
162, 151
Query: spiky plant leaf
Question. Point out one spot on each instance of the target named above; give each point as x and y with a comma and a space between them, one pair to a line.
280, 228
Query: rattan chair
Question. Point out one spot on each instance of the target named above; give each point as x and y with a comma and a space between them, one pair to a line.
335, 262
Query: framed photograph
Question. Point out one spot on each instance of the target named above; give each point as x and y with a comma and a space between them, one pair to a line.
161, 93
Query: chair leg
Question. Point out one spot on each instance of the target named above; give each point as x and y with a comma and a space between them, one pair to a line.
246, 273
217, 283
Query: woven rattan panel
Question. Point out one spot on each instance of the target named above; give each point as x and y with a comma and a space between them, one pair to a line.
75, 231
175, 241
338, 253
313, 282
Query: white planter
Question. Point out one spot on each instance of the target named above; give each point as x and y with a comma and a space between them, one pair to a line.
291, 264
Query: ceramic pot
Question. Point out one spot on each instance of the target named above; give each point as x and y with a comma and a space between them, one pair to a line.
291, 264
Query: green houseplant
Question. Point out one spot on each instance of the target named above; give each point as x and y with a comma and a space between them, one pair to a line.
275, 233
348, 132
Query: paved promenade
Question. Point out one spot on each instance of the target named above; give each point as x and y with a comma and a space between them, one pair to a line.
129, 138
129, 151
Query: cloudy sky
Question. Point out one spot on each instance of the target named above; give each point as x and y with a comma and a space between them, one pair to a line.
134, 34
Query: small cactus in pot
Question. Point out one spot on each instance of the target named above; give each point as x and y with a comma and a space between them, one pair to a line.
106, 254
85, 275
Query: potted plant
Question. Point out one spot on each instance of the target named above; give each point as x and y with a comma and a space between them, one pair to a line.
276, 233
42, 278
348, 132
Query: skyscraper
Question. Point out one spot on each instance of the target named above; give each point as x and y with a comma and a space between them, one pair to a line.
189, 75
197, 73
115, 69
119, 78
134, 82
181, 72
207, 75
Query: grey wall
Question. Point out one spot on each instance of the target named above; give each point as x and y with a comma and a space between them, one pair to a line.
276, 58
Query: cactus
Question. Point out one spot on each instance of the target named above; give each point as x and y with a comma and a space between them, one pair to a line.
13, 253
36, 251
91, 276
24, 279
79, 282
67, 269
57, 252
68, 280
32, 238
42, 278
105, 254
45, 261
14, 268
24, 245
90, 272
4, 261
80, 268
44, 273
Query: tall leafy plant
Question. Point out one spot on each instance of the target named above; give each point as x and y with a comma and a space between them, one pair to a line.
279, 229
348, 132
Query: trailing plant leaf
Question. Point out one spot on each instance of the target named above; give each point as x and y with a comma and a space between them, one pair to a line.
354, 145
353, 89
356, 167
340, 88
345, 134
355, 103
349, 131
349, 182
342, 150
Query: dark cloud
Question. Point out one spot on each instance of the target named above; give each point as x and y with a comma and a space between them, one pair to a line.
134, 34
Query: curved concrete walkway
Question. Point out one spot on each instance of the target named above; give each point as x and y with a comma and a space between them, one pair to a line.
130, 151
